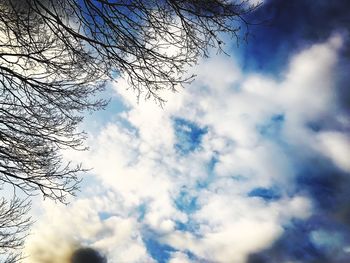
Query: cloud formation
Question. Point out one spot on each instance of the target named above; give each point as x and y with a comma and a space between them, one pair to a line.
231, 170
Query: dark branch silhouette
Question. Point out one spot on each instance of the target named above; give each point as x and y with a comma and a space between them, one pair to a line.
55, 55
14, 225
46, 81
132, 38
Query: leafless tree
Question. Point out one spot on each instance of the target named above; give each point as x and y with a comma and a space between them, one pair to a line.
14, 224
133, 38
56, 54
45, 83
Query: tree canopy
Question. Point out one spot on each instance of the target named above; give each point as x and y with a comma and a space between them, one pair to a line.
56, 54
13, 228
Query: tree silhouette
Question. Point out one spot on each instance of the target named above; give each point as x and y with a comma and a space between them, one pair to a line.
132, 38
55, 55
45, 84
13, 228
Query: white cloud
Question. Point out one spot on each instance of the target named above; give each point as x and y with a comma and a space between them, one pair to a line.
62, 229
139, 167
233, 226
336, 146
179, 257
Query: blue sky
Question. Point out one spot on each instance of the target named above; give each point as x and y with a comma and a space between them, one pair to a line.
249, 163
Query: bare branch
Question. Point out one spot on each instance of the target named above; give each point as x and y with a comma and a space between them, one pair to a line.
14, 225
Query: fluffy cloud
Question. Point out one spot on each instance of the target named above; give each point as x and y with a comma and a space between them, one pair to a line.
212, 175
95, 222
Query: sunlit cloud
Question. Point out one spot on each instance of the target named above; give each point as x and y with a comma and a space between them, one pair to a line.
216, 175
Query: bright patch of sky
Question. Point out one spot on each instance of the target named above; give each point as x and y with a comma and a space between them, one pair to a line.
231, 170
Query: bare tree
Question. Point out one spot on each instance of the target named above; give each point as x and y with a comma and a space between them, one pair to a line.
132, 38
14, 225
56, 54
45, 83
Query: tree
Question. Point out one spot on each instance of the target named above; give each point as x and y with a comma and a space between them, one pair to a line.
13, 228
56, 54
45, 82
132, 37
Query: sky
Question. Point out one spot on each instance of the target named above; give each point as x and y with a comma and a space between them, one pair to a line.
248, 164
